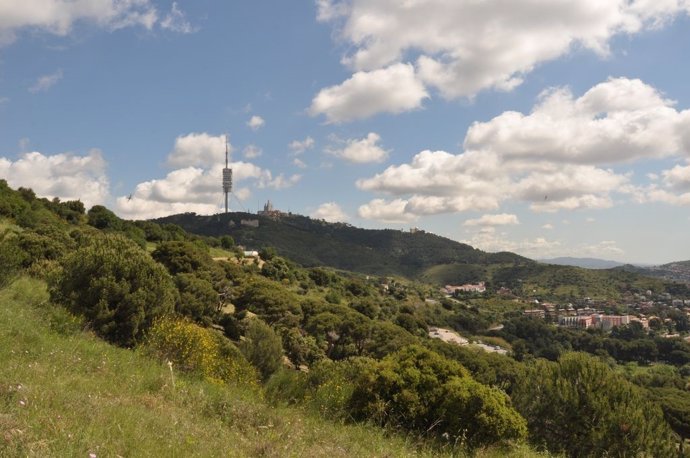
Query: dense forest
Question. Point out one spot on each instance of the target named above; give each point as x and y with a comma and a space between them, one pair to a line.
351, 344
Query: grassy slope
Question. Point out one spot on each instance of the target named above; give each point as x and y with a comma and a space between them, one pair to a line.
64, 392
71, 395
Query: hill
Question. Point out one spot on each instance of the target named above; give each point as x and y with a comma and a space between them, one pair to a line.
415, 255
66, 393
674, 271
587, 263
312, 242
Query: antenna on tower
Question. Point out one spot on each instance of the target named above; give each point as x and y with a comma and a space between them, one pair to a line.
227, 175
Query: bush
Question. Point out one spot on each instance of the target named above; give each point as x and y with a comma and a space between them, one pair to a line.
578, 406
261, 346
417, 389
197, 350
198, 299
11, 260
116, 286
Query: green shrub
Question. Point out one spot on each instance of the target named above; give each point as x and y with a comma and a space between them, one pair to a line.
198, 300
420, 390
578, 406
11, 259
116, 286
197, 350
261, 346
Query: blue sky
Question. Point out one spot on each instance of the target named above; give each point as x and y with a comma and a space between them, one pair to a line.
544, 127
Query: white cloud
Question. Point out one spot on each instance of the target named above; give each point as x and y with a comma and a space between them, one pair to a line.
547, 226
361, 151
279, 182
59, 16
489, 240
462, 47
331, 212
299, 163
500, 219
394, 89
67, 176
389, 212
300, 146
194, 186
45, 82
256, 122
620, 120
198, 149
176, 21
553, 158
191, 189
678, 178
243, 193
252, 151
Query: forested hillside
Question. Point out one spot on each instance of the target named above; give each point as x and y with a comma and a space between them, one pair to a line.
291, 360
312, 242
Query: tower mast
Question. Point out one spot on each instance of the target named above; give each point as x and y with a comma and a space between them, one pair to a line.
227, 175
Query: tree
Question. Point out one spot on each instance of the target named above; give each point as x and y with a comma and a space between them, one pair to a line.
102, 218
198, 300
675, 404
580, 407
418, 389
118, 288
271, 302
261, 346
227, 242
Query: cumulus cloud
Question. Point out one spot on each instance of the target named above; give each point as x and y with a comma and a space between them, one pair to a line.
620, 120
67, 176
192, 189
393, 89
500, 219
252, 151
198, 149
300, 146
331, 212
279, 182
489, 240
59, 16
194, 185
45, 82
568, 153
256, 122
297, 162
361, 151
678, 178
386, 211
462, 47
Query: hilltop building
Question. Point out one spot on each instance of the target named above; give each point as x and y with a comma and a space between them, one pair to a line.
270, 211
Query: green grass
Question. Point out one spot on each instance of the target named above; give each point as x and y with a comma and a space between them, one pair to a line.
217, 252
63, 392
66, 393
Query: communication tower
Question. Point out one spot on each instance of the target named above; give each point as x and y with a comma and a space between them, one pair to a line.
227, 176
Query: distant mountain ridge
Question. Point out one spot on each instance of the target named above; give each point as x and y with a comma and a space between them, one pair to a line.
312, 242
678, 271
587, 263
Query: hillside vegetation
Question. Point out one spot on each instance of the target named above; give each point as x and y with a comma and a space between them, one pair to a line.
418, 256
312, 242
64, 392
122, 332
